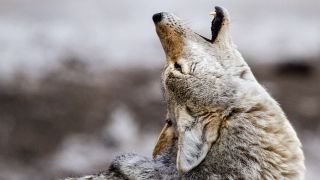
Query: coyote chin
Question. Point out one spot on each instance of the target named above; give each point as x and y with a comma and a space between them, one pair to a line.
221, 123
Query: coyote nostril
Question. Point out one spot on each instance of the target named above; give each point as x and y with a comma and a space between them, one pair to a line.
157, 17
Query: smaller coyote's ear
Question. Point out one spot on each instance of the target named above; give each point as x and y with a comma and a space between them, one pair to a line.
195, 142
165, 139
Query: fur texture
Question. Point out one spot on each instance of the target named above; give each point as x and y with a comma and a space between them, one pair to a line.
222, 122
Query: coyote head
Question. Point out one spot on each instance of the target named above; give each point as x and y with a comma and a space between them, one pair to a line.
201, 82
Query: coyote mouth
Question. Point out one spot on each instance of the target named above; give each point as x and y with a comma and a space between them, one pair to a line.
216, 24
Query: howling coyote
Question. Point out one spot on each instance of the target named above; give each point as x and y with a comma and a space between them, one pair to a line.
221, 123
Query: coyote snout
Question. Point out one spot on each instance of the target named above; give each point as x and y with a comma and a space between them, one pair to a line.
174, 34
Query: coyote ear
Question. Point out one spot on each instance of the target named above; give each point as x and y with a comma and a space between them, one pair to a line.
195, 143
165, 139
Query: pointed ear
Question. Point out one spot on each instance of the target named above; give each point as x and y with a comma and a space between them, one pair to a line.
195, 142
165, 139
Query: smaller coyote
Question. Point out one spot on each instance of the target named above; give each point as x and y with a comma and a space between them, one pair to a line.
222, 124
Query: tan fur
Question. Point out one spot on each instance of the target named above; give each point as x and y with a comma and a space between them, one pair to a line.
173, 42
165, 139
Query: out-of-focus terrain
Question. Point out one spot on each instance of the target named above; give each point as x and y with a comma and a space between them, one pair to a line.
80, 80
71, 122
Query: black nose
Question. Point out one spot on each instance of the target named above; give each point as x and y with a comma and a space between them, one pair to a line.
157, 17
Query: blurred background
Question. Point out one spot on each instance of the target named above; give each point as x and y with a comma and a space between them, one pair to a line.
80, 79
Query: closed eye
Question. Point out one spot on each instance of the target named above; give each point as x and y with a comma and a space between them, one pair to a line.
178, 67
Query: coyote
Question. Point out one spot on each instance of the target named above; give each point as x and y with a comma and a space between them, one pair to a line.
221, 123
